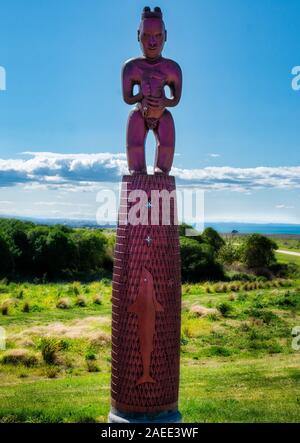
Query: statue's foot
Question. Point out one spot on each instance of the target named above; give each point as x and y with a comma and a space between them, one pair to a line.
142, 171
158, 171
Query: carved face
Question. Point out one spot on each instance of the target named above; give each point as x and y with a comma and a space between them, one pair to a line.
152, 36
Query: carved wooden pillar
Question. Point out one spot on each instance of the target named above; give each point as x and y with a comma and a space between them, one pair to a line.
146, 304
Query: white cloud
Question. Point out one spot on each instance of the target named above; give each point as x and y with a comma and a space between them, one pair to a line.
284, 207
241, 179
90, 172
214, 155
6, 202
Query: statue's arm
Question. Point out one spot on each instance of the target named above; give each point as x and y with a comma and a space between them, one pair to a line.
175, 87
128, 84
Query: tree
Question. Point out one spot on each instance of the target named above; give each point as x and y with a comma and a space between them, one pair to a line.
197, 261
213, 238
15, 234
228, 253
91, 250
6, 259
53, 251
182, 227
257, 251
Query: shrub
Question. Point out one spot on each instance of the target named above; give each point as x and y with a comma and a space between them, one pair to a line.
224, 308
183, 340
49, 348
212, 317
19, 356
81, 301
289, 299
20, 295
92, 366
262, 314
97, 299
218, 351
76, 289
258, 251
202, 311
26, 307
242, 296
51, 371
228, 253
90, 355
241, 276
63, 303
99, 339
4, 309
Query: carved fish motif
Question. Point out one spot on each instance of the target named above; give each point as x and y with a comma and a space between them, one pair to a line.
145, 307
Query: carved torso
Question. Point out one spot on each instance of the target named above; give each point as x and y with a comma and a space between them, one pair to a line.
157, 75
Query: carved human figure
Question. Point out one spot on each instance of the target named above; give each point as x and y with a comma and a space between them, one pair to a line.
151, 73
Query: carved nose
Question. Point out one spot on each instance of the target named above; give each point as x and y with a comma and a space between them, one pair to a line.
152, 42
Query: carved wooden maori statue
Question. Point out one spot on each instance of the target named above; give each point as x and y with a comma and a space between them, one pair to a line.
152, 73
146, 300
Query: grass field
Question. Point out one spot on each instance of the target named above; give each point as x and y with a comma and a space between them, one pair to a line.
289, 244
237, 361
286, 258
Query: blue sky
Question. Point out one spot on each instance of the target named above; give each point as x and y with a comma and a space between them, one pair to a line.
237, 124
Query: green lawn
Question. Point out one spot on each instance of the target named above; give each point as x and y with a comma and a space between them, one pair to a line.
254, 390
237, 363
286, 258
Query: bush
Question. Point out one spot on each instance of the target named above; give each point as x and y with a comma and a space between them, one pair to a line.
81, 301
19, 356
63, 303
266, 316
49, 348
26, 307
4, 309
218, 351
97, 300
257, 251
92, 366
224, 308
20, 295
51, 371
90, 355
228, 253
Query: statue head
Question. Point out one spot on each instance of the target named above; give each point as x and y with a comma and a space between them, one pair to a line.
152, 33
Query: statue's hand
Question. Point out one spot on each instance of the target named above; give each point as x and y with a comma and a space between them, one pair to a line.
156, 102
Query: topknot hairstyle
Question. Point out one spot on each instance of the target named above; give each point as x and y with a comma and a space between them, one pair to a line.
156, 13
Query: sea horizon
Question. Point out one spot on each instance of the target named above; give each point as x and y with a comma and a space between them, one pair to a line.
223, 227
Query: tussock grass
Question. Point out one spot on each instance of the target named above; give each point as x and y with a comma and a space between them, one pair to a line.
19, 356
64, 303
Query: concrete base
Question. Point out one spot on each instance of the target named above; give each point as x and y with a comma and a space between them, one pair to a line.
116, 416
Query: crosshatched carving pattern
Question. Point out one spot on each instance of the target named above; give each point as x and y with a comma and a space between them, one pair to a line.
161, 257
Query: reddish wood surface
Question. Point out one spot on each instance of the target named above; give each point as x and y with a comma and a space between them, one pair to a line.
155, 332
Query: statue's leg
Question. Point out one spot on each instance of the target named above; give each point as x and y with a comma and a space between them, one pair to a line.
136, 136
165, 143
